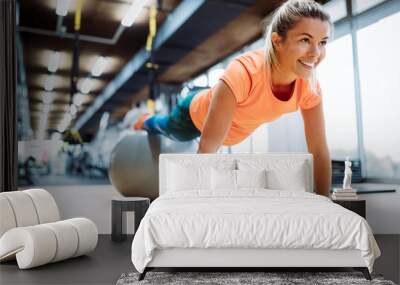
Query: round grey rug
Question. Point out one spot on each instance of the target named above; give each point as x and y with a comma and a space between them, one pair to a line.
230, 278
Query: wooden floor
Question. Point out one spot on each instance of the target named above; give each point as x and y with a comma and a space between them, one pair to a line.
111, 259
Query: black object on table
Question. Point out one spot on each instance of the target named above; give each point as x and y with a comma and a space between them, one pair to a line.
139, 205
357, 206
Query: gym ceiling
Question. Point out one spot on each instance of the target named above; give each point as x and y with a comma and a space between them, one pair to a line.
192, 35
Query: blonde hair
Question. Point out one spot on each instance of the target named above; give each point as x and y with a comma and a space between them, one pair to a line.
283, 20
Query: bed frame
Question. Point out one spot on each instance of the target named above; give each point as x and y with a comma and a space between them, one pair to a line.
250, 258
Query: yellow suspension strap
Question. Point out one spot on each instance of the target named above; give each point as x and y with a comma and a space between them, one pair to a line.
151, 105
72, 136
152, 27
75, 53
78, 13
151, 65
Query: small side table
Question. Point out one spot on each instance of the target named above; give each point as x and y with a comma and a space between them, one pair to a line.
123, 204
357, 206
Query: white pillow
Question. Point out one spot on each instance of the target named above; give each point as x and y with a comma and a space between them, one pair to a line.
293, 179
183, 177
223, 179
281, 174
235, 179
251, 178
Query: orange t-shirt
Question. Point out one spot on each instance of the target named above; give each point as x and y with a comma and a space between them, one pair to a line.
247, 77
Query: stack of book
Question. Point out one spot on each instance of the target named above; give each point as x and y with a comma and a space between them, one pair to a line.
344, 194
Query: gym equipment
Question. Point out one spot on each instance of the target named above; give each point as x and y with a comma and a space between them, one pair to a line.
133, 167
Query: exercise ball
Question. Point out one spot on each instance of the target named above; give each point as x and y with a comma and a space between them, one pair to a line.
133, 167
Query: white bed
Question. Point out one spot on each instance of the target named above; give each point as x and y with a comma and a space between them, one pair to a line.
202, 220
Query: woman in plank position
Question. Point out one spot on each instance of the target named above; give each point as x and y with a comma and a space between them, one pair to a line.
260, 86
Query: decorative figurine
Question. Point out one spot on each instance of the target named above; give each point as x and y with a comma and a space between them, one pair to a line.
347, 174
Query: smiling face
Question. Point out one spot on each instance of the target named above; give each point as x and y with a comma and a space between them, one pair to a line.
301, 50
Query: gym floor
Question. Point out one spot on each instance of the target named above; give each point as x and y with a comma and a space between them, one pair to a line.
110, 259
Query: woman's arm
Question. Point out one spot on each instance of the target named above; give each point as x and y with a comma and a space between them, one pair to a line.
314, 127
218, 120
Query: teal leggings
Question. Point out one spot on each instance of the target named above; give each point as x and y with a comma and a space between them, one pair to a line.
177, 125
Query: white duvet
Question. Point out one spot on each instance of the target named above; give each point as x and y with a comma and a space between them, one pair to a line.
251, 218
